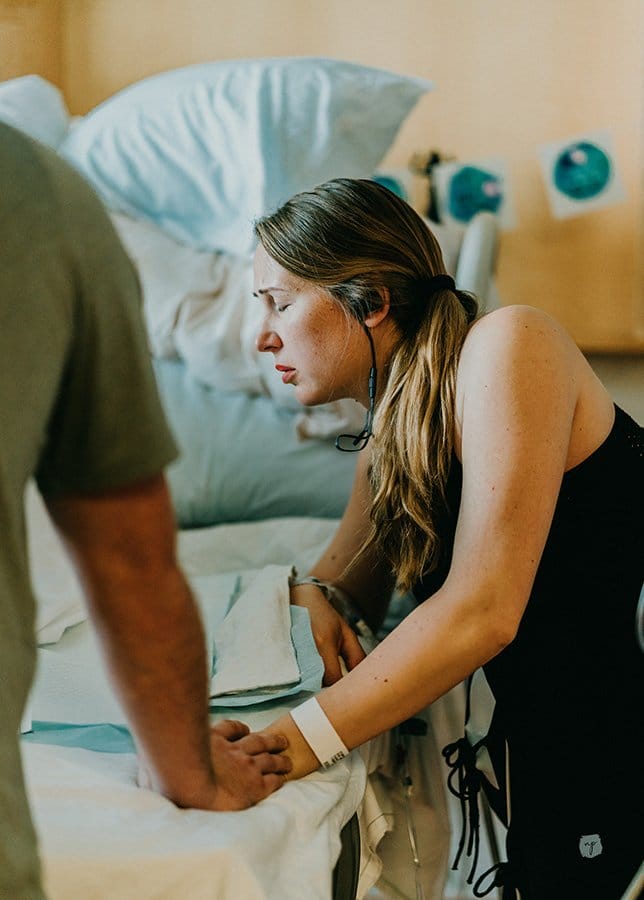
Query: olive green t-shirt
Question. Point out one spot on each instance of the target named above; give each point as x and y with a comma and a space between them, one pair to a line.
79, 410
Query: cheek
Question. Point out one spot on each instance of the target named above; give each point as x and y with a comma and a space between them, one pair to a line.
311, 334
324, 337
328, 329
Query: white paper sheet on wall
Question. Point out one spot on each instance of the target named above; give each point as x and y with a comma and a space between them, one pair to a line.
581, 174
466, 187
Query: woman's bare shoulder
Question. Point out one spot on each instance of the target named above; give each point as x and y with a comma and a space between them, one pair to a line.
525, 349
516, 319
514, 345
514, 336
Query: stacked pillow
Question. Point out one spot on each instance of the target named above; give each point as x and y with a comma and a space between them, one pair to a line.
204, 150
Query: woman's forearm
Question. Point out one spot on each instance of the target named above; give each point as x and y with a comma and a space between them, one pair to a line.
433, 649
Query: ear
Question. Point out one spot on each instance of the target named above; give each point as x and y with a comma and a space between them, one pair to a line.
378, 315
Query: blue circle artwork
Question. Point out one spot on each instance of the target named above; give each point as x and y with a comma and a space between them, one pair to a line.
472, 190
393, 184
582, 171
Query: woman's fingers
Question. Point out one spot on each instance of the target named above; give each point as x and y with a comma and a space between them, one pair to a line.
351, 651
332, 669
273, 763
230, 729
254, 744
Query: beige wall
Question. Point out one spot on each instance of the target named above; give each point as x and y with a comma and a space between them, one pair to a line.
31, 38
510, 74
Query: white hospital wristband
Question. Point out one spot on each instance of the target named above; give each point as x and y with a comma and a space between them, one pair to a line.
319, 733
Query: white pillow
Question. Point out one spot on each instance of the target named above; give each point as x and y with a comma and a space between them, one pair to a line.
203, 151
36, 107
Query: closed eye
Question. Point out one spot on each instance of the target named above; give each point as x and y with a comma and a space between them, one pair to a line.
267, 296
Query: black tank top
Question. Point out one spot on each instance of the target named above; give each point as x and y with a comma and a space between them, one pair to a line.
580, 619
569, 688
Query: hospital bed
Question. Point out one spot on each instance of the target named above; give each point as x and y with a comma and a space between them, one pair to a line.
184, 162
100, 835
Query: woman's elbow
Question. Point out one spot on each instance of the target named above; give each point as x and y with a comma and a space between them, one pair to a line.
500, 622
502, 632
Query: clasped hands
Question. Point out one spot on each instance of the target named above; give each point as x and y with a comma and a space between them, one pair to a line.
247, 768
250, 766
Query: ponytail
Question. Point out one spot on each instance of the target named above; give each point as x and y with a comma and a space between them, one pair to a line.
414, 439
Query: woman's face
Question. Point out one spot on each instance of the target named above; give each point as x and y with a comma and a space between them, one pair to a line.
317, 348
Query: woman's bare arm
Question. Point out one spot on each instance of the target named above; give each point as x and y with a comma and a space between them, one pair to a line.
367, 583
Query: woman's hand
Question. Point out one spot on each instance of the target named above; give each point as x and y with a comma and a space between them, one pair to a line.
334, 638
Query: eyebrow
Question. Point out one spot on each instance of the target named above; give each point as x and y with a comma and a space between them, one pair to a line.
270, 290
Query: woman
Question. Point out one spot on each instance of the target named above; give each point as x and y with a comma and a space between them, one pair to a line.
497, 480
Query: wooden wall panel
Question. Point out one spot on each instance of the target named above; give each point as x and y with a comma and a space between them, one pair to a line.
31, 39
510, 75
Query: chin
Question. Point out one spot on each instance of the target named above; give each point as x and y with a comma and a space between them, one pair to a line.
310, 397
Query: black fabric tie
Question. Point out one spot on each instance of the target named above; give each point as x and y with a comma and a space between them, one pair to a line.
460, 756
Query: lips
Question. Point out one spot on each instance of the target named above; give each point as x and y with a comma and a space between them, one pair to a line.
286, 372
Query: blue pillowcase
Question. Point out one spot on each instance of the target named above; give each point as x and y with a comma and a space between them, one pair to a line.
204, 150
241, 459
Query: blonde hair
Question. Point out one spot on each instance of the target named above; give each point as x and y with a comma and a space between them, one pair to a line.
354, 238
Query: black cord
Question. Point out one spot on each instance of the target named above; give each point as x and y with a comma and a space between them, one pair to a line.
350, 443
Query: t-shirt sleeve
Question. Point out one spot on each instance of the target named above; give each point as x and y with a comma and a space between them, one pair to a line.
107, 429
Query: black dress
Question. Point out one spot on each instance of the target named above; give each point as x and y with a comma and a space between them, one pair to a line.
567, 726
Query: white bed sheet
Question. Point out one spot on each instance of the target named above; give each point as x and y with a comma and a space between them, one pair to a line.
102, 837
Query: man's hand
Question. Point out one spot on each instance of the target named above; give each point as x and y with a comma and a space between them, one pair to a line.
248, 767
333, 636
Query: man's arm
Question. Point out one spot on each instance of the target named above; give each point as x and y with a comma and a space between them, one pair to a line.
123, 544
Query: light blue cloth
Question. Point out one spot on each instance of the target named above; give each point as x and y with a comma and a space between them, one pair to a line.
103, 738
210, 484
106, 738
35, 106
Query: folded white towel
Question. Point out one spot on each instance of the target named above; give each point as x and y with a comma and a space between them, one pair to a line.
252, 646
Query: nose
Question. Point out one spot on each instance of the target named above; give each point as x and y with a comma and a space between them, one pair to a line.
267, 341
